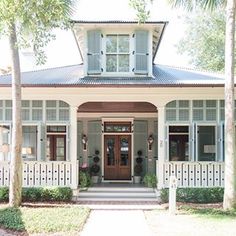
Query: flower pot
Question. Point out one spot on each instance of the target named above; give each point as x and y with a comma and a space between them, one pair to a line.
95, 179
137, 179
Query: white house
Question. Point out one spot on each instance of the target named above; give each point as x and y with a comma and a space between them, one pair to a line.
117, 105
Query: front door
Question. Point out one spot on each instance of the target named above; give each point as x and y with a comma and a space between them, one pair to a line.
117, 157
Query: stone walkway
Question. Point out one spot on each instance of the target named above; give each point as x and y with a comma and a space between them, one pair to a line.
116, 223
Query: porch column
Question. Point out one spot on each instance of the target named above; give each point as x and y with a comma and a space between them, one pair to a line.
73, 146
161, 146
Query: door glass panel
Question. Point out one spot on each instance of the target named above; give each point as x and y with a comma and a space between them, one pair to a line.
48, 152
60, 149
110, 151
124, 151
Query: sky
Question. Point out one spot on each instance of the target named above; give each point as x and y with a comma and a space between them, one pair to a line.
63, 51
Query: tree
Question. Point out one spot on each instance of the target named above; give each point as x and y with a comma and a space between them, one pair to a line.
141, 8
230, 162
204, 40
27, 22
6, 70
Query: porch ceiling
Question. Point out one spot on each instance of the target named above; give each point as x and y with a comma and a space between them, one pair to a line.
117, 107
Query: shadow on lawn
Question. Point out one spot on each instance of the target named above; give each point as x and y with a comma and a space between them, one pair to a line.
11, 220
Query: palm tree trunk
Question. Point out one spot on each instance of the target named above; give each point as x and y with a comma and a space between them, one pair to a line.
16, 160
230, 163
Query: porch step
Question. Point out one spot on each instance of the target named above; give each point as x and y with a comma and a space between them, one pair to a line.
117, 194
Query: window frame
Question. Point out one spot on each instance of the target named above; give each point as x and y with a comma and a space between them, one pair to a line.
168, 140
197, 140
106, 32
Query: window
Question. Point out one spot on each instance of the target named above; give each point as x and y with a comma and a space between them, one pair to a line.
178, 143
122, 127
117, 53
206, 143
56, 143
4, 143
29, 145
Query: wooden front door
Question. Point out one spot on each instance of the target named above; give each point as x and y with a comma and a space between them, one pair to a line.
117, 157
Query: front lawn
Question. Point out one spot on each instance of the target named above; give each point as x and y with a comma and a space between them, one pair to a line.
192, 221
48, 219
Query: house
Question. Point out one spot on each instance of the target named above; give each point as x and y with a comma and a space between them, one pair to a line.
119, 106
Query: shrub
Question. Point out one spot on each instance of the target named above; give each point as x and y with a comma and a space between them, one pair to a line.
4, 194
195, 195
33, 194
57, 194
84, 179
94, 169
138, 169
150, 180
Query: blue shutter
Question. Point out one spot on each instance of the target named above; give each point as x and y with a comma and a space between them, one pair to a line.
141, 52
94, 51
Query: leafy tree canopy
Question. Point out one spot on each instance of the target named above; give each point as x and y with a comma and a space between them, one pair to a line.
204, 40
34, 20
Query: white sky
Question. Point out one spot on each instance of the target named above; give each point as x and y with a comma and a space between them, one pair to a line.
63, 51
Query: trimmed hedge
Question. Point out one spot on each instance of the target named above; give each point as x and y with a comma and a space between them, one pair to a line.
195, 195
40, 194
4, 194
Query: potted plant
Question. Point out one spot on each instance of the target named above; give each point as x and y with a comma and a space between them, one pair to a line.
138, 168
95, 168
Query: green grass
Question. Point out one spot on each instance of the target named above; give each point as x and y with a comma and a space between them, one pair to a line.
209, 212
192, 221
44, 219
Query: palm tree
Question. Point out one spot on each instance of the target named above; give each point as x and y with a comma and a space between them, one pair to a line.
230, 162
20, 20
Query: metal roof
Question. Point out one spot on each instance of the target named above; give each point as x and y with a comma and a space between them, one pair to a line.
72, 76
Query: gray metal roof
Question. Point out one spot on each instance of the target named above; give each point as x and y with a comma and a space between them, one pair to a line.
72, 76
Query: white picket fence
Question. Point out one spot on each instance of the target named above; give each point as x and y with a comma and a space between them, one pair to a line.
194, 174
40, 173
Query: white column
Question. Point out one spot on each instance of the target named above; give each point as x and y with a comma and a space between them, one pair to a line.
73, 146
161, 146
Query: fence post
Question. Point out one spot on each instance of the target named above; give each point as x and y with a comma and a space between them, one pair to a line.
172, 195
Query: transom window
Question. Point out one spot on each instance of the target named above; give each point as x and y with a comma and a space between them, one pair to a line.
117, 53
121, 127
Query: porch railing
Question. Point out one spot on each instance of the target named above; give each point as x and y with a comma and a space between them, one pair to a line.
40, 174
194, 174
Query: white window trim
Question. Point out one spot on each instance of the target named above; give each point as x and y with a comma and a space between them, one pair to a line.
167, 138
131, 49
196, 139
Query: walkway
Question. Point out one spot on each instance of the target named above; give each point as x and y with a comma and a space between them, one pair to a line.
116, 223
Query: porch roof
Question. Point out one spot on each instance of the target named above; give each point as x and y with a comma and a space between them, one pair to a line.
72, 76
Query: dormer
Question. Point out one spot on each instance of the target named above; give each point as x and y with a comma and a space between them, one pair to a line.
118, 48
